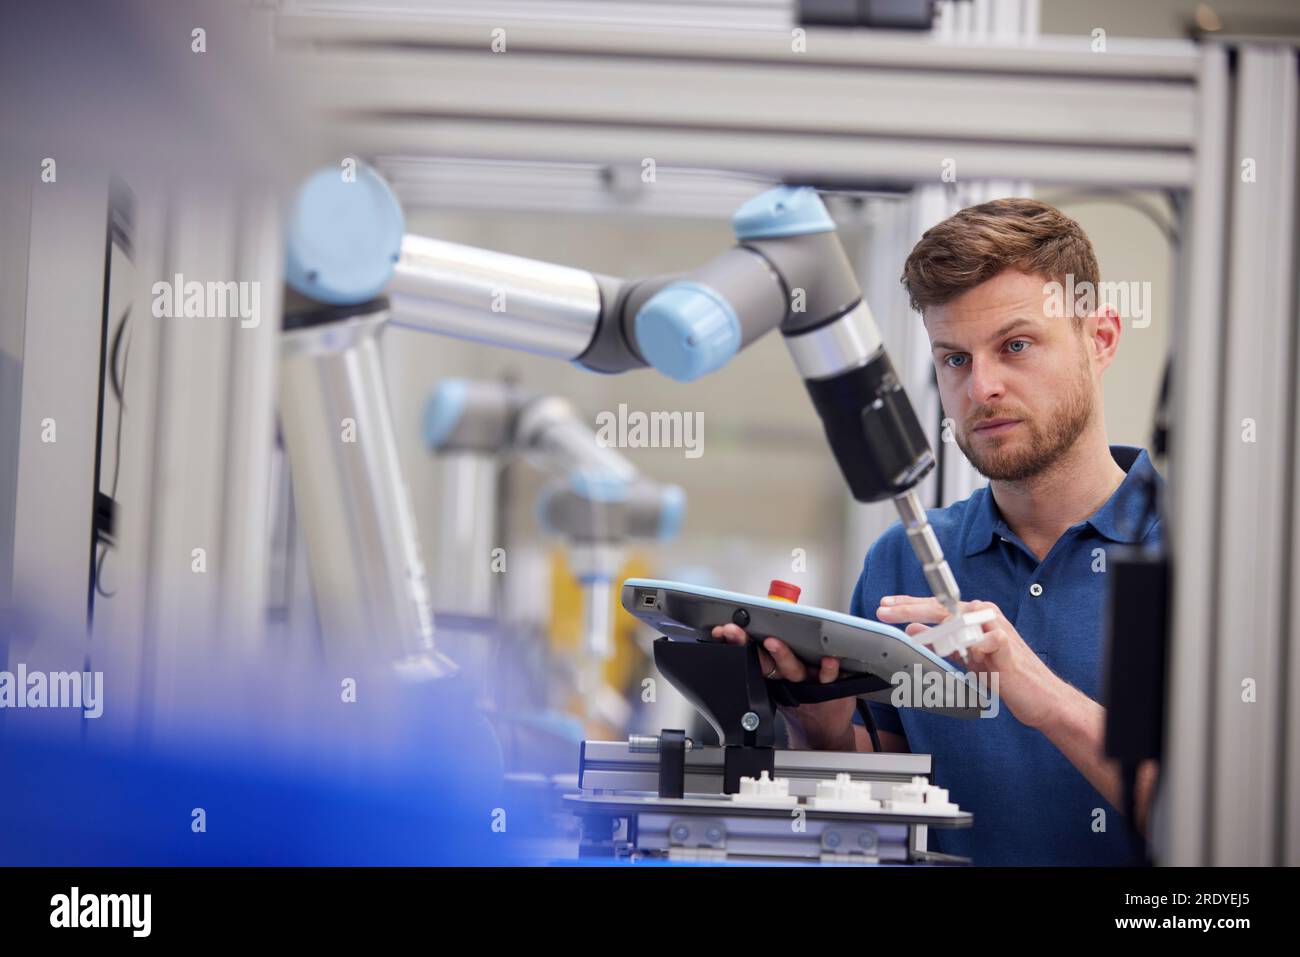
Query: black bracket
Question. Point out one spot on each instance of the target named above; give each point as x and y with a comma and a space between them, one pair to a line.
725, 682
672, 763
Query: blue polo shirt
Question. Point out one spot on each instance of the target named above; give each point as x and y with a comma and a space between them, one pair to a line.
1031, 805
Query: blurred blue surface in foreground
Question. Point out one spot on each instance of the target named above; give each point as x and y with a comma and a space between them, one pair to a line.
285, 772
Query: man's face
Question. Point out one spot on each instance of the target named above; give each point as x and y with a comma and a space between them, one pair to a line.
1017, 382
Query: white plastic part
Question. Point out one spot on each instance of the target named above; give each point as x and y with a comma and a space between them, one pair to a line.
956, 634
844, 794
921, 797
765, 790
710, 854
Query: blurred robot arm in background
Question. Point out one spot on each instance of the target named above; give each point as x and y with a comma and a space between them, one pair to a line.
596, 501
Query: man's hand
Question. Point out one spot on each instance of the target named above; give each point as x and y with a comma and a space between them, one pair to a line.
1025, 685
1067, 717
824, 726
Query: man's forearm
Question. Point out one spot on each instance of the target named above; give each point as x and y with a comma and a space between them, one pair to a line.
1077, 727
861, 739
845, 740
856, 739
851, 737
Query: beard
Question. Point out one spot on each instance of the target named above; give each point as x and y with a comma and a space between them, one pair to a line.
1040, 446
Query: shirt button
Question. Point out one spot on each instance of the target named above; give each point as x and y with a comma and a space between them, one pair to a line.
1035, 589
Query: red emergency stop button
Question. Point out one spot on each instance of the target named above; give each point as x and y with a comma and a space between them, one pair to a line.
783, 591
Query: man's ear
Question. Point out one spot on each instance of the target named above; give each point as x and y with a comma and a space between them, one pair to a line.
1102, 328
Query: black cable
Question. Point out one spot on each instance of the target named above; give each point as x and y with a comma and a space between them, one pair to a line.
940, 451
99, 570
117, 383
1160, 434
869, 722
119, 390
1152, 499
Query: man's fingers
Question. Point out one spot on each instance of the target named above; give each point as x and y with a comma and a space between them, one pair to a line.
773, 654
830, 670
900, 608
788, 666
914, 630
928, 609
733, 634
983, 653
991, 643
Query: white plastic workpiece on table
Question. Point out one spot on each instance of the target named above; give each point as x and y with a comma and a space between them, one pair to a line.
844, 794
765, 790
956, 634
919, 796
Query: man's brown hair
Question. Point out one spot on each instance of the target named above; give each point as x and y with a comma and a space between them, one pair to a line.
977, 243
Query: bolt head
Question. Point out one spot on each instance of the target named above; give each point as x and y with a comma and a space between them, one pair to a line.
749, 721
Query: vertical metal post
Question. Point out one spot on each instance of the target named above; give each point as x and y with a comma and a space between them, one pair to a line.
1233, 474
351, 500
1248, 689
467, 526
53, 482
1193, 487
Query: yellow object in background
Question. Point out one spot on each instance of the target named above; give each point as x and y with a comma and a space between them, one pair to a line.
564, 631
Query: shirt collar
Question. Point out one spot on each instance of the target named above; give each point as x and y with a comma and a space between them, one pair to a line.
1126, 516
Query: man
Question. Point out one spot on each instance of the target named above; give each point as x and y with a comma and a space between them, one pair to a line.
1021, 384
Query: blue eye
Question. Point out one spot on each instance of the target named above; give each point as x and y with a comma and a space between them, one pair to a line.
1018, 342
951, 364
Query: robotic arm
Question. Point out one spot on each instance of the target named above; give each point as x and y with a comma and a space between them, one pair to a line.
788, 271
597, 500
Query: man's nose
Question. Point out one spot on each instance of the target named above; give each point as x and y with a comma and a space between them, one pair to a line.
985, 382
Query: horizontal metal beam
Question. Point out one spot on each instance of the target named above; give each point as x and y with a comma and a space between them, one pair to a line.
590, 189
730, 15
860, 107
767, 44
785, 96
863, 161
